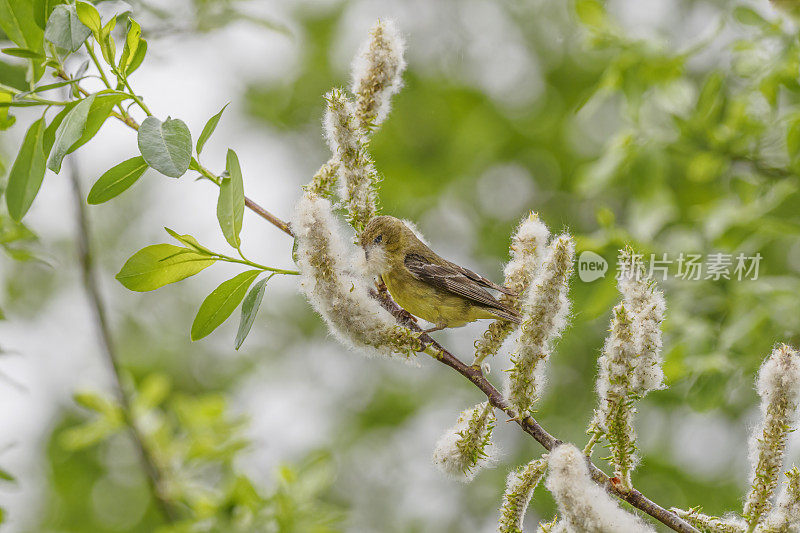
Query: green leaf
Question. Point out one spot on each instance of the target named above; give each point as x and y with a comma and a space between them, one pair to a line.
219, 305
65, 30
52, 128
138, 57
95, 402
27, 173
99, 112
23, 53
208, 129
132, 40
42, 10
19, 24
89, 434
749, 16
49, 86
116, 180
89, 16
153, 390
189, 241
230, 205
13, 76
69, 132
249, 310
793, 139
166, 146
160, 264
107, 45
6, 120
591, 13
6, 476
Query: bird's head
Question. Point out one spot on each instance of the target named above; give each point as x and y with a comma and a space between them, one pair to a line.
385, 237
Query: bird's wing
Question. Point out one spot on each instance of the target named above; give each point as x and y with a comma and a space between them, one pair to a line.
453, 278
483, 281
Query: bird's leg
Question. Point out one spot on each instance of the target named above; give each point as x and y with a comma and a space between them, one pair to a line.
439, 326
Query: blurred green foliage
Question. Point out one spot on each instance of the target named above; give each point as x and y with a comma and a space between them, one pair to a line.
629, 141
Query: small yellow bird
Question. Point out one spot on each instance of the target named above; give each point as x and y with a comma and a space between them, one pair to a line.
425, 284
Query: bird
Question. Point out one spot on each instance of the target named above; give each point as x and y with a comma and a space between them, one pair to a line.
425, 284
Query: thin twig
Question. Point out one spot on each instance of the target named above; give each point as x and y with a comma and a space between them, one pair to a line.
151, 469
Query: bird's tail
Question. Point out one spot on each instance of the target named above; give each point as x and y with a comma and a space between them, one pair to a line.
507, 314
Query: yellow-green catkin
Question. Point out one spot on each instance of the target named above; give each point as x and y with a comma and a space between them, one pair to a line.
786, 513
323, 181
614, 414
778, 384
466, 447
544, 317
377, 74
711, 524
520, 485
527, 250
356, 172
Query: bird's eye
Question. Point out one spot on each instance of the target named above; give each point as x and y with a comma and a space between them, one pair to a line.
378, 239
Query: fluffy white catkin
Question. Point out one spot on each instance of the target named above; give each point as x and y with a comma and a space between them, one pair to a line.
585, 506
356, 173
785, 517
778, 384
527, 250
528, 247
519, 490
614, 414
544, 317
646, 307
466, 447
331, 280
377, 73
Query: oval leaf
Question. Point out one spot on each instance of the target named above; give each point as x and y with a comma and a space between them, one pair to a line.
68, 132
230, 205
188, 241
24, 53
27, 173
65, 30
160, 264
99, 112
166, 146
132, 39
208, 129
116, 180
219, 305
137, 58
89, 16
249, 310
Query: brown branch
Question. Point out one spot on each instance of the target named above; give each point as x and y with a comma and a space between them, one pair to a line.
528, 424
250, 204
151, 469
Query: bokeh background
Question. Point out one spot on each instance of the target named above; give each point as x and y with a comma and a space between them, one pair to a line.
670, 125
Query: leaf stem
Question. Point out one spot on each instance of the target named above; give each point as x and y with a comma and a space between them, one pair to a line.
247, 262
31, 97
135, 97
97, 65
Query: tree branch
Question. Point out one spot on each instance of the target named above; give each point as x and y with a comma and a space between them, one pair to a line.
151, 469
528, 424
